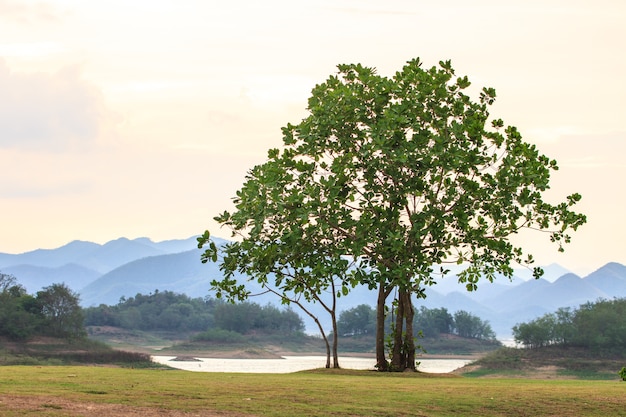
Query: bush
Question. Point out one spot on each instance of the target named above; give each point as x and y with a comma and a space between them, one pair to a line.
219, 335
504, 358
622, 373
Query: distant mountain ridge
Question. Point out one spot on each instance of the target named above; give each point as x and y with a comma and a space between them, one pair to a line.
102, 274
79, 263
34, 278
101, 258
181, 273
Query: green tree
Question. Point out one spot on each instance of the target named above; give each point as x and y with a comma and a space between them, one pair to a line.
20, 316
61, 311
131, 318
433, 322
246, 317
7, 281
599, 325
360, 320
471, 326
397, 174
161, 310
237, 318
537, 333
102, 315
564, 330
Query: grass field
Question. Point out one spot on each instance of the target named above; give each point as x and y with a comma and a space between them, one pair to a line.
103, 391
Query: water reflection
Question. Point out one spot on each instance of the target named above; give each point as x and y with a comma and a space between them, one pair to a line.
295, 363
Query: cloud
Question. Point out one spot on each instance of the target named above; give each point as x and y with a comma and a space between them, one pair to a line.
11, 11
49, 112
30, 49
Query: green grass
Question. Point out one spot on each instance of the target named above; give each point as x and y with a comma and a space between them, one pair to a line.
482, 372
315, 393
590, 375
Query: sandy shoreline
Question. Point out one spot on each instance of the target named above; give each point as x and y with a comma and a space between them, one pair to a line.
255, 354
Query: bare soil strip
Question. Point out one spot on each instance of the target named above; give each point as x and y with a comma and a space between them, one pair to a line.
36, 405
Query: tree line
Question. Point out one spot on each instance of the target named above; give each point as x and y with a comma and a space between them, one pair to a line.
169, 311
596, 325
53, 311
432, 323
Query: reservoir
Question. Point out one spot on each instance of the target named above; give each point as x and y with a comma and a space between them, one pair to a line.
296, 363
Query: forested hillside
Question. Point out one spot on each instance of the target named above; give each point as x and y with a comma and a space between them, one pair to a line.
598, 326
168, 311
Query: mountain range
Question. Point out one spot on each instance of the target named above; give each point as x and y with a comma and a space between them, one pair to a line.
102, 274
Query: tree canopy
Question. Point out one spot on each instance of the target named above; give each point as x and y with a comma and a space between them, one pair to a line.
432, 323
397, 174
169, 311
600, 325
53, 311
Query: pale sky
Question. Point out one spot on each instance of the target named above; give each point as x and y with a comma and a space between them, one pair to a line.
141, 118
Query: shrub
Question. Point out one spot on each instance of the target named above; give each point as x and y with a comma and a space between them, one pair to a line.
219, 335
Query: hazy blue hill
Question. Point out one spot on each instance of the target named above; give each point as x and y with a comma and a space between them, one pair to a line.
551, 272
492, 290
503, 321
51, 258
434, 299
518, 297
610, 279
485, 291
101, 258
171, 246
568, 291
117, 253
34, 278
357, 296
460, 301
182, 273
93, 256
571, 291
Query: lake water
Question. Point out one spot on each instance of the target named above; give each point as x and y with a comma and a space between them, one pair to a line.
296, 363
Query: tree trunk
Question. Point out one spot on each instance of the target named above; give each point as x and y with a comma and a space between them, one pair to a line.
335, 341
319, 326
403, 356
315, 319
381, 360
327, 350
410, 341
397, 355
